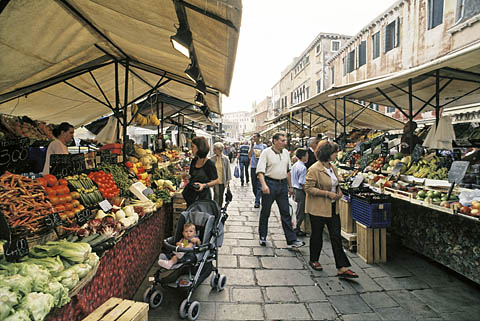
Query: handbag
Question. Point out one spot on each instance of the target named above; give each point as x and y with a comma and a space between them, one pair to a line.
236, 172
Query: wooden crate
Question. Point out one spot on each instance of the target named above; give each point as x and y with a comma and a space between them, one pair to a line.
371, 244
116, 309
346, 220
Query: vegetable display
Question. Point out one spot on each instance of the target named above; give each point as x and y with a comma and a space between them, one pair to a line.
66, 203
120, 177
89, 194
24, 204
106, 184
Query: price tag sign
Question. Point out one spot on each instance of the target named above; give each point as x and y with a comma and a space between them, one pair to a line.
357, 181
83, 216
417, 153
106, 157
15, 249
396, 170
105, 206
65, 165
53, 220
14, 154
384, 149
457, 171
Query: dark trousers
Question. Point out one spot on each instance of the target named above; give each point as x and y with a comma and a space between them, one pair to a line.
278, 193
256, 186
218, 191
244, 164
316, 239
300, 213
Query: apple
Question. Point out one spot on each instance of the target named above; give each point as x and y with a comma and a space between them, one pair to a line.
475, 212
476, 205
445, 204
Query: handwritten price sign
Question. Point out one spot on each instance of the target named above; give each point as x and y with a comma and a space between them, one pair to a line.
15, 249
13, 154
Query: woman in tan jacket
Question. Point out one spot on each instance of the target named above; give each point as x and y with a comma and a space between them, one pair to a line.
322, 193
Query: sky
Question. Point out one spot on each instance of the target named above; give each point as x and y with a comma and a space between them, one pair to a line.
274, 32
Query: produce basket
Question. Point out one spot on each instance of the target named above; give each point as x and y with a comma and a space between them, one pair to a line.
74, 291
371, 209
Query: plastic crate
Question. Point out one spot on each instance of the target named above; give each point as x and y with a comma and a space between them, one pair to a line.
373, 211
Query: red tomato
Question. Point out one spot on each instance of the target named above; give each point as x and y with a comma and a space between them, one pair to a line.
62, 181
68, 206
42, 181
60, 208
62, 199
66, 190
54, 200
50, 191
51, 180
59, 189
68, 198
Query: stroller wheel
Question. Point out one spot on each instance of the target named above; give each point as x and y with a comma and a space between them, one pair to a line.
214, 280
194, 311
222, 282
156, 299
183, 309
146, 295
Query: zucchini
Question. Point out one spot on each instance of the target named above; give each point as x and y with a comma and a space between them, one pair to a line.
90, 238
73, 239
99, 240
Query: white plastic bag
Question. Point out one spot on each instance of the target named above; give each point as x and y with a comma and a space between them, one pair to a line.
466, 198
293, 209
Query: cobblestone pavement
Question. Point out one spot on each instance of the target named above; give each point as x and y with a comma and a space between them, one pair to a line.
274, 283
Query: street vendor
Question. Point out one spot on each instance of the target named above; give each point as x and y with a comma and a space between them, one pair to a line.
409, 139
63, 135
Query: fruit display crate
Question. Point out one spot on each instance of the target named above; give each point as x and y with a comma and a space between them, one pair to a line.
346, 220
372, 210
371, 244
120, 309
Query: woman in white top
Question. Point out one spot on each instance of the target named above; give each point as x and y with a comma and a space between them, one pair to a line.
63, 135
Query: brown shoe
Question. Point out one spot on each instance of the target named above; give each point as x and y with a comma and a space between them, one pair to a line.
316, 266
348, 274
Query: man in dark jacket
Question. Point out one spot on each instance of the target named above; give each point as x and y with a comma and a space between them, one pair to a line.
244, 162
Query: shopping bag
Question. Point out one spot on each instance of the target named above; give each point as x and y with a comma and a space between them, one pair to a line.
236, 172
292, 206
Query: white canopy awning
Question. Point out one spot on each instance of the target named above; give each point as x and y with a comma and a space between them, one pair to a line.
49, 50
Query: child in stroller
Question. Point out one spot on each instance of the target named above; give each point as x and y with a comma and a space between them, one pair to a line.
197, 263
188, 241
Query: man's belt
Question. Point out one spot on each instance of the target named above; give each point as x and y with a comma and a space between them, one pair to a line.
276, 180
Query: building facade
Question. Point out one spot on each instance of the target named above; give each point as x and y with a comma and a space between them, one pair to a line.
408, 34
308, 74
260, 113
237, 124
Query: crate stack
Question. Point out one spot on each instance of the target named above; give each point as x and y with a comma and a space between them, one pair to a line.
371, 212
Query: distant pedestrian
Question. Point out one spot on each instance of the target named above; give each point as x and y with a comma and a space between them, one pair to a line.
299, 172
323, 192
223, 171
312, 145
244, 162
256, 148
273, 170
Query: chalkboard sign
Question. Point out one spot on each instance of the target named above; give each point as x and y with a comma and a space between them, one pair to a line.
384, 149
14, 154
4, 228
15, 249
53, 220
83, 216
66, 165
417, 153
106, 157
457, 171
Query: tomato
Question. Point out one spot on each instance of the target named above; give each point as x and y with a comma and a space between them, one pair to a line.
75, 195
68, 206
58, 189
62, 199
68, 198
66, 190
54, 199
42, 181
70, 214
81, 207
50, 191
63, 216
62, 181
75, 203
60, 208
76, 210
51, 180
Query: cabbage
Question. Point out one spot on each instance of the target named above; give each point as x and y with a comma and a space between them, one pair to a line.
75, 252
10, 268
17, 283
81, 269
69, 278
53, 264
38, 305
40, 275
93, 260
19, 315
59, 293
8, 300
5, 310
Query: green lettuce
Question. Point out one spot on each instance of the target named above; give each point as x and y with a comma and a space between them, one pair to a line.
59, 292
17, 283
38, 305
69, 278
19, 315
75, 252
93, 260
81, 269
40, 275
53, 264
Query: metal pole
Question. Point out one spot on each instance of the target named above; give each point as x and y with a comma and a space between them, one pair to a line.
310, 127
303, 130
345, 119
117, 99
437, 97
127, 67
335, 121
410, 112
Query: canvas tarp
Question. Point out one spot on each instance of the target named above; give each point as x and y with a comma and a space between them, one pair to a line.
44, 43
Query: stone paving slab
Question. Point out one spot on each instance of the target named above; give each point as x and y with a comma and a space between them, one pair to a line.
247, 295
286, 311
239, 276
239, 229
244, 236
397, 313
279, 294
322, 311
375, 272
263, 251
413, 304
309, 293
229, 261
378, 300
334, 286
362, 317
205, 293
284, 252
241, 251
283, 277
249, 262
289, 263
235, 311
364, 283
447, 299
349, 304
248, 243
389, 283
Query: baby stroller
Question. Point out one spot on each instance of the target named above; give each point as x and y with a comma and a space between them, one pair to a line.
197, 263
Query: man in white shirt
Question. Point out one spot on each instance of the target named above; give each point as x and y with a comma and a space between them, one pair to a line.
299, 173
273, 171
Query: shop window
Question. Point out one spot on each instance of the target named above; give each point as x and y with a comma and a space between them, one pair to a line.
435, 13
335, 45
376, 45
362, 53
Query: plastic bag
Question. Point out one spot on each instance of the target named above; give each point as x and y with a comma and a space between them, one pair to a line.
292, 205
466, 197
236, 172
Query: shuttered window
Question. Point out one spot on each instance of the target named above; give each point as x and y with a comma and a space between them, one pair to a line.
333, 75
351, 61
362, 53
389, 37
376, 45
435, 13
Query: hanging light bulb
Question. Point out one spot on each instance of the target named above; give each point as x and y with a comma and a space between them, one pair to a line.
199, 100
182, 40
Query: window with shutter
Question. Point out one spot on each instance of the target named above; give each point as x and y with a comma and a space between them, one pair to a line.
435, 13
376, 45
362, 53
397, 32
333, 75
351, 61
344, 66
390, 36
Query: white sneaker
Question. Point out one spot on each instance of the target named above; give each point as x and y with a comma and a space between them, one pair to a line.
295, 244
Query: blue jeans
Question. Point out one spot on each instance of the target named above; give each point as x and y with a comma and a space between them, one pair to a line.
244, 163
278, 193
256, 186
